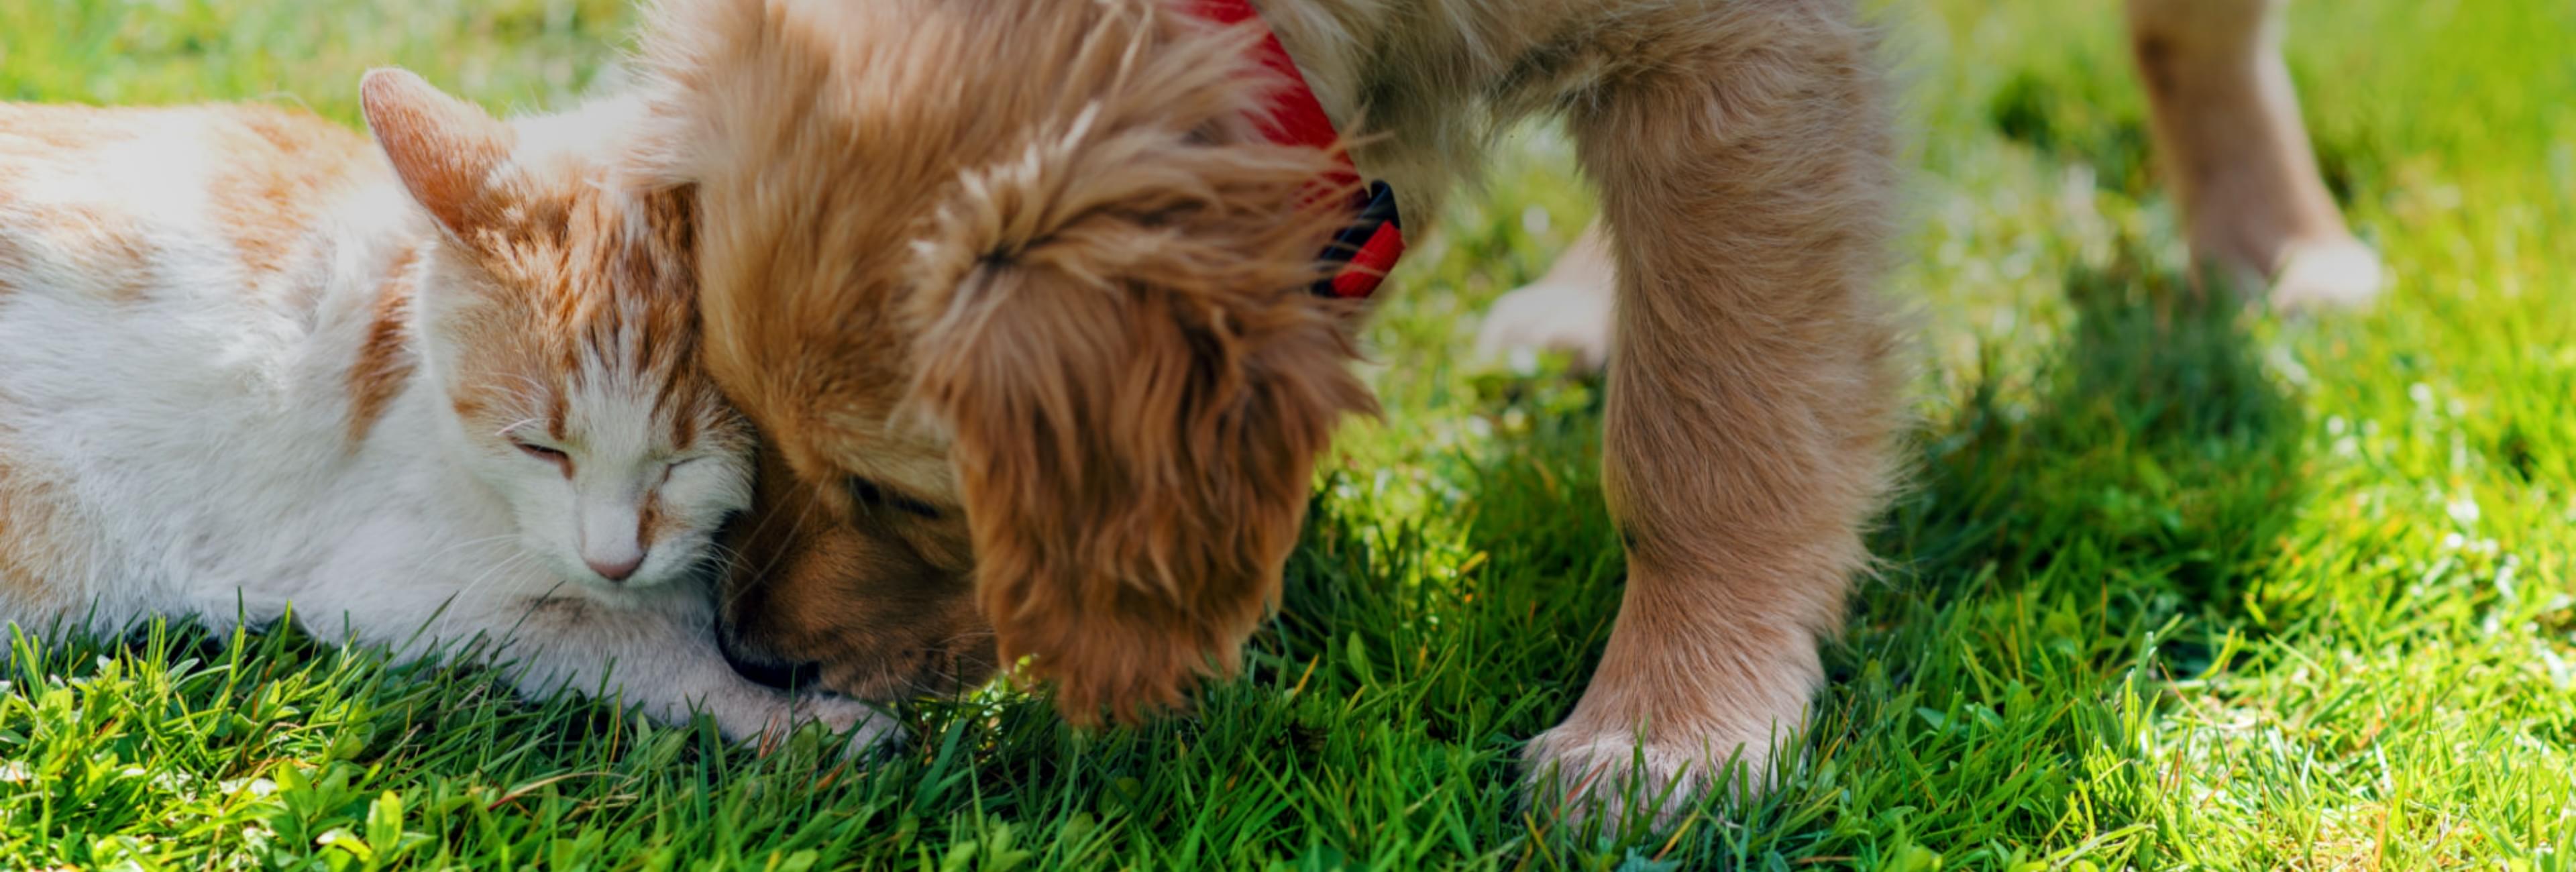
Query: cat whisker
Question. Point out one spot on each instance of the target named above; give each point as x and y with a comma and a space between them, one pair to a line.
469, 543
503, 431
804, 513
590, 335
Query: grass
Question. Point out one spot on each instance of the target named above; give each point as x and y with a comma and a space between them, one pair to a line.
2178, 585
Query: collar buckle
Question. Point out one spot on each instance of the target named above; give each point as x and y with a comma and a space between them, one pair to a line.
1365, 249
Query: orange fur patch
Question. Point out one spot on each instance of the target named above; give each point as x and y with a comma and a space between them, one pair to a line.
650, 524
31, 524
548, 270
578, 271
13, 260
281, 167
278, 169
102, 243
97, 240
28, 129
385, 360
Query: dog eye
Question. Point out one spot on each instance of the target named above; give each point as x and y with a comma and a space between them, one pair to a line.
869, 493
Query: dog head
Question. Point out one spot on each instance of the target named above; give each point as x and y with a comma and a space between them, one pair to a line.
1015, 293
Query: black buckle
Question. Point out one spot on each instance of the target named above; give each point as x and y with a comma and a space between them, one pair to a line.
1377, 208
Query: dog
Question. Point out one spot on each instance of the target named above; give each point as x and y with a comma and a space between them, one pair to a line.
1017, 292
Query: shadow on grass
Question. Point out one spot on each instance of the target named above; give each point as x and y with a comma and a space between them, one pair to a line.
2078, 536
2113, 507
2154, 448
1381, 707
2129, 487
2135, 481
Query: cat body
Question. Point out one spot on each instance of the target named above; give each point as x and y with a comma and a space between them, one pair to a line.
424, 394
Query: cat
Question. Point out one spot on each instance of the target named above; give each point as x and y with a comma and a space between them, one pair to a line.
440, 388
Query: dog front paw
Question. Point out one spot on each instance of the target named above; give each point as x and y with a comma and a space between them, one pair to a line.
1583, 770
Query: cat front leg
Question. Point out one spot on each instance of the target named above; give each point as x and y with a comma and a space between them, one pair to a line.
660, 658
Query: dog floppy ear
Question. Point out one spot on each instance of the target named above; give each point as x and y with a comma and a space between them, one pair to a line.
1117, 332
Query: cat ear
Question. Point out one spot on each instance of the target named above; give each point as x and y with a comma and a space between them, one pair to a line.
445, 150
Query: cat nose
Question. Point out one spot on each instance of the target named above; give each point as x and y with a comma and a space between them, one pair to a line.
615, 568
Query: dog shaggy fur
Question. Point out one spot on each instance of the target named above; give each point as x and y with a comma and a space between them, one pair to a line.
1015, 292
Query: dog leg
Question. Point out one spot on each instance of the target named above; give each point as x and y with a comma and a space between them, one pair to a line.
1745, 182
2236, 156
1567, 310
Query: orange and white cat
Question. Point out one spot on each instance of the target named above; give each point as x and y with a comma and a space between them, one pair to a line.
437, 389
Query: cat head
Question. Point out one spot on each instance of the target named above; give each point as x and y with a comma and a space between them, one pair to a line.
555, 313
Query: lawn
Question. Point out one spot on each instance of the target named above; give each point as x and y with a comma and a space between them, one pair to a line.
2176, 584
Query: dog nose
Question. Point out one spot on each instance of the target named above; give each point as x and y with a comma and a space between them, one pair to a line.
783, 676
614, 568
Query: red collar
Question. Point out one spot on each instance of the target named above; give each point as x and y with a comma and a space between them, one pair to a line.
1365, 249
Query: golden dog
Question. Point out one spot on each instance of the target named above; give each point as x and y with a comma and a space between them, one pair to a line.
1015, 290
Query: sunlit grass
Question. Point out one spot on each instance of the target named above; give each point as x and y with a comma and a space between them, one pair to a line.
2177, 584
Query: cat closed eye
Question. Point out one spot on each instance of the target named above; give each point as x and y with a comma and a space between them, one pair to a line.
549, 455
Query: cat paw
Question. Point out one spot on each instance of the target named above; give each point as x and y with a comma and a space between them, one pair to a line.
868, 727
1581, 772
2338, 273
1572, 317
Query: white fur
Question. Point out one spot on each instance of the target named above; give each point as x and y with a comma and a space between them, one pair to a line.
183, 430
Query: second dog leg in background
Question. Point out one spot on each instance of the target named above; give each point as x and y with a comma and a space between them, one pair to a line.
2236, 156
2231, 147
